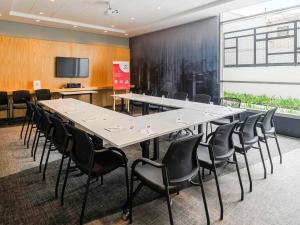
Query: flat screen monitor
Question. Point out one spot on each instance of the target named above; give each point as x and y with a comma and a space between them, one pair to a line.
71, 67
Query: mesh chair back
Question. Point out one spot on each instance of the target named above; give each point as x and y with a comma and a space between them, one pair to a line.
162, 93
232, 102
180, 95
248, 128
268, 121
3, 98
221, 143
43, 94
21, 96
82, 147
60, 133
181, 157
202, 98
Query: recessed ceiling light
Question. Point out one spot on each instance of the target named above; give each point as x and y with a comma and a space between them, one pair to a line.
75, 26
158, 7
37, 21
126, 34
41, 13
105, 31
132, 18
112, 26
52, 0
0, 14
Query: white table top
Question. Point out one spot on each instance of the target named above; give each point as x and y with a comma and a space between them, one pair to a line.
114, 127
77, 92
168, 102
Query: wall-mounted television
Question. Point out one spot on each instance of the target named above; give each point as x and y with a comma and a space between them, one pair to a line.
71, 67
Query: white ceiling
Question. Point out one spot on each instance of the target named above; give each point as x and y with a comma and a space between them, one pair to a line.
88, 15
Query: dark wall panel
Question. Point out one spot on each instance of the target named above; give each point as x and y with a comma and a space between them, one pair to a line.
182, 58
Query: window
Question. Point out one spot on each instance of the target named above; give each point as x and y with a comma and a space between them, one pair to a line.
276, 44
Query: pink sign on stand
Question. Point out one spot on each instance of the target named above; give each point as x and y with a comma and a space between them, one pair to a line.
121, 75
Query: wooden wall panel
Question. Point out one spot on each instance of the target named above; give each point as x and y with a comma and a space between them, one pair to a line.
23, 60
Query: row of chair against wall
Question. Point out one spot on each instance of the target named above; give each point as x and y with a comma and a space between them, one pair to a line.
19, 98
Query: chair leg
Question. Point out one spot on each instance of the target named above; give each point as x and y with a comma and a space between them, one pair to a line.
58, 175
23, 125
27, 129
239, 176
262, 159
85, 198
43, 153
219, 193
248, 170
278, 147
34, 140
269, 153
132, 195
36, 145
65, 183
206, 131
29, 136
169, 205
204, 198
46, 162
126, 181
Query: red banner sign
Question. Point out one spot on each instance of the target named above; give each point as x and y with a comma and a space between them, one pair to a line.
121, 76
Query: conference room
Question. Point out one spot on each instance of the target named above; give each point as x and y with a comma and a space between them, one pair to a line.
149, 112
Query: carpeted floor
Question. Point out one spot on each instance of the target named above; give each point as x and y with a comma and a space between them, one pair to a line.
26, 199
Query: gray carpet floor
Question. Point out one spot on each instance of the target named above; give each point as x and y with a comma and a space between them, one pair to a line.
26, 199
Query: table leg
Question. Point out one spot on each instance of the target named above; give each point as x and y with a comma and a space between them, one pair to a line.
122, 105
145, 149
91, 98
156, 148
200, 128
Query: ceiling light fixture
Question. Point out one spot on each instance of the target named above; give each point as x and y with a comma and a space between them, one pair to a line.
112, 26
41, 13
0, 14
75, 26
126, 34
105, 31
109, 11
37, 21
132, 18
158, 7
52, 0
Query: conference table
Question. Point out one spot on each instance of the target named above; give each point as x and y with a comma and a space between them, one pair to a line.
121, 130
79, 92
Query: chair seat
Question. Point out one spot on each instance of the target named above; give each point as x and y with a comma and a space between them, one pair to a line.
269, 134
19, 106
247, 146
104, 163
152, 177
204, 158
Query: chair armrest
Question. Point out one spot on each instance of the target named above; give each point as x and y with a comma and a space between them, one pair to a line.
146, 161
120, 152
209, 136
204, 144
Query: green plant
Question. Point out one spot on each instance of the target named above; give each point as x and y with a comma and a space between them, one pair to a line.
248, 100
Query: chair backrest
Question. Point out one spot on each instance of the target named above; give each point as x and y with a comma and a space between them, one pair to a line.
180, 95
148, 92
82, 147
21, 96
43, 94
37, 116
268, 121
202, 98
248, 128
221, 142
29, 109
181, 158
60, 133
136, 90
162, 93
232, 102
45, 123
3, 98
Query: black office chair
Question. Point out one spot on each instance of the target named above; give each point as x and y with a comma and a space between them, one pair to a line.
178, 167
42, 94
93, 162
30, 123
158, 94
140, 104
4, 103
202, 98
219, 150
267, 128
19, 99
36, 125
245, 138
